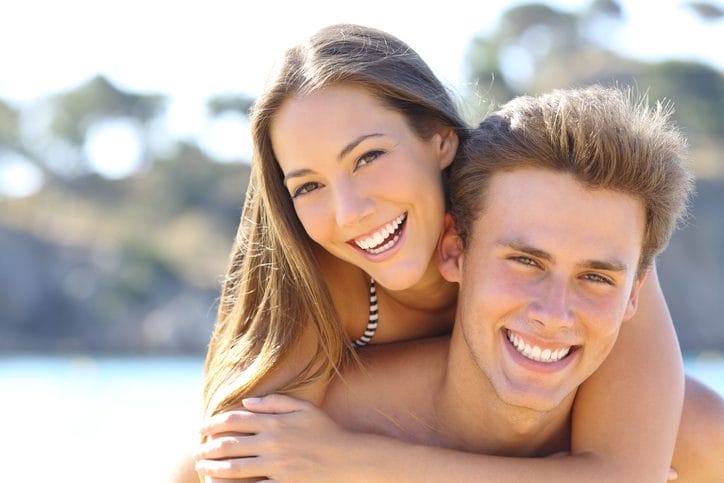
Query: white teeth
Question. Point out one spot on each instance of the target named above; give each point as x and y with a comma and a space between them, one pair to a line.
372, 242
535, 353
384, 247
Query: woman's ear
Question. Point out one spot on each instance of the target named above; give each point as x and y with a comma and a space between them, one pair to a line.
447, 147
450, 252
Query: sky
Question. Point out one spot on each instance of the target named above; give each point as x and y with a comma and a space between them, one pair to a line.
192, 50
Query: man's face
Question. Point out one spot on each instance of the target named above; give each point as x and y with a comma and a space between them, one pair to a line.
547, 278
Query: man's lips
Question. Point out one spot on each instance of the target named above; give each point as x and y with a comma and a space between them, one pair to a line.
529, 350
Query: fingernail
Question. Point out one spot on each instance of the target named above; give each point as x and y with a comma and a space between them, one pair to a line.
251, 400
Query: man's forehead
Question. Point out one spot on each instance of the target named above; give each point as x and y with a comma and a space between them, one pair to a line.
552, 212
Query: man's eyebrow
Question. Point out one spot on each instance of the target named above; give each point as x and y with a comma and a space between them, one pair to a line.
606, 265
349, 147
524, 247
610, 265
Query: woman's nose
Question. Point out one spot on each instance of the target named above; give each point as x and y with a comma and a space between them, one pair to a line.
351, 206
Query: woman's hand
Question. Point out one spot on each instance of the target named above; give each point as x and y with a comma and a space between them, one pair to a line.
279, 438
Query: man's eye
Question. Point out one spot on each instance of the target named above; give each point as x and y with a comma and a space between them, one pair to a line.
525, 261
305, 188
596, 278
368, 157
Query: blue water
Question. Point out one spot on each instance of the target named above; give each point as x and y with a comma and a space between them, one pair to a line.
87, 419
709, 369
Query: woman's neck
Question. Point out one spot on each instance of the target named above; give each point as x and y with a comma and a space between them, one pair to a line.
431, 294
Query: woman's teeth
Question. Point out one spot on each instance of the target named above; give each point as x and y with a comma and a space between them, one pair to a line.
384, 238
534, 352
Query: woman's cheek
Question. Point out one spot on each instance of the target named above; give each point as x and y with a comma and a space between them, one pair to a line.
314, 218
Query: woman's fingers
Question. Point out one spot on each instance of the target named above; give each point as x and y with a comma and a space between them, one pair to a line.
251, 467
275, 404
226, 447
239, 421
251, 419
260, 441
232, 457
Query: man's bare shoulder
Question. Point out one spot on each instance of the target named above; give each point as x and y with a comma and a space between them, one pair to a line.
398, 358
390, 382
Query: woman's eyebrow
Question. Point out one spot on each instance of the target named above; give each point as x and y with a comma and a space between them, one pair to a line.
346, 150
349, 147
297, 173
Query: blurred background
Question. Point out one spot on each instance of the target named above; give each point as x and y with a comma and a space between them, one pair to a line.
124, 158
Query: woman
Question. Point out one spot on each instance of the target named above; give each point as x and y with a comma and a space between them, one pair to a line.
343, 212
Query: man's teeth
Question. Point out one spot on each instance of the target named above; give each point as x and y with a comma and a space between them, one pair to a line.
373, 243
536, 353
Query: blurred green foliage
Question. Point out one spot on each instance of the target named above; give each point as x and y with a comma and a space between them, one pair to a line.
75, 111
134, 265
230, 103
8, 124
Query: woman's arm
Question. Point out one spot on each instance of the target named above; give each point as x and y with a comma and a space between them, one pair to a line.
292, 440
628, 411
699, 452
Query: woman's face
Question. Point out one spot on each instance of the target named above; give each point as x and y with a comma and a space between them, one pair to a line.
365, 186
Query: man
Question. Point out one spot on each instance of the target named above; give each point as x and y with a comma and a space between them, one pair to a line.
560, 204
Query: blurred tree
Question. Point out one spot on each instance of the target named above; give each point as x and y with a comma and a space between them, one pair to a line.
222, 104
529, 38
539, 28
96, 100
8, 124
554, 49
698, 91
78, 118
488, 82
706, 10
609, 8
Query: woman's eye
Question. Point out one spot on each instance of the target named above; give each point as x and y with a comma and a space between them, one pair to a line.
367, 158
305, 188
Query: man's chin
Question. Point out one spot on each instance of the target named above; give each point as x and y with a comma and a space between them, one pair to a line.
534, 399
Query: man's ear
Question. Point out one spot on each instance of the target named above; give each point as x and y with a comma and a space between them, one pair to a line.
450, 252
633, 299
447, 146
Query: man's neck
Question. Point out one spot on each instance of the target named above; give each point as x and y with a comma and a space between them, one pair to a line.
476, 419
415, 392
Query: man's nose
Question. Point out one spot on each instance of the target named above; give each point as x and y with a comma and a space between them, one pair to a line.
552, 304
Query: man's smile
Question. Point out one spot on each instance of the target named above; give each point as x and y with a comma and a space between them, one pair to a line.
535, 352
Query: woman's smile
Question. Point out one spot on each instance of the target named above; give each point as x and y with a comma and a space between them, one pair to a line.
383, 238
